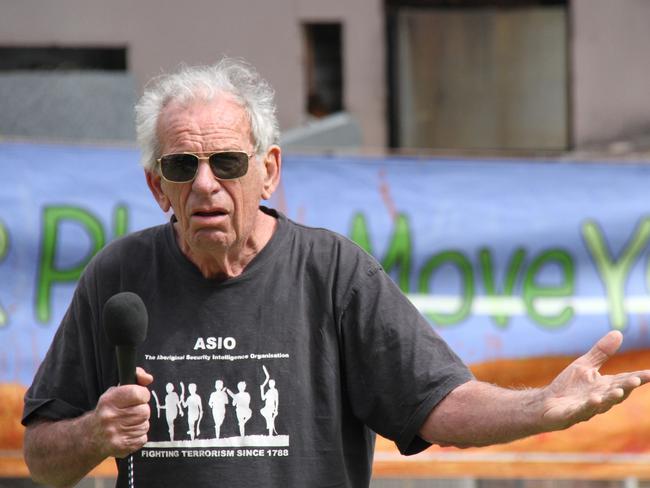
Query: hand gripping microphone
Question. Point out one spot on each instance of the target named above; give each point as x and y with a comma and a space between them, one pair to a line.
125, 323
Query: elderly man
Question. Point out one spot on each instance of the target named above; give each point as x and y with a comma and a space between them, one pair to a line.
349, 352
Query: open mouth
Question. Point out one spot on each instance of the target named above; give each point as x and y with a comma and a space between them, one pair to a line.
215, 213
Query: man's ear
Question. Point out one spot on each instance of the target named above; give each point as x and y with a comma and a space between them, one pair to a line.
272, 168
154, 181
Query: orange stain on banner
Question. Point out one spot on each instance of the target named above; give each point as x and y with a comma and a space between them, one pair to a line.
11, 436
613, 445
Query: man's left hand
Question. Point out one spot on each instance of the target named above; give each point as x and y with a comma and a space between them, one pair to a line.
580, 391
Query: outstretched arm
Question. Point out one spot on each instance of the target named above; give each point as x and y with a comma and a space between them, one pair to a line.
479, 414
60, 453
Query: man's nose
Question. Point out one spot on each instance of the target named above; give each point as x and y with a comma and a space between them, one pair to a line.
205, 180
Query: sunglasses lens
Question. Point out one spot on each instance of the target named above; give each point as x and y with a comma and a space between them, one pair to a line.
229, 165
179, 167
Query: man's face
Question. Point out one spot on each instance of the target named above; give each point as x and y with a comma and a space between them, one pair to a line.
213, 215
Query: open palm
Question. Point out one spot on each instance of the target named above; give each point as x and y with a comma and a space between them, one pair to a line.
580, 391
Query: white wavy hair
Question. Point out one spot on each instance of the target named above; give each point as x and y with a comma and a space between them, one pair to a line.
236, 77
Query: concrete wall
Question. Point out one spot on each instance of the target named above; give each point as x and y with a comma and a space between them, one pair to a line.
610, 69
160, 34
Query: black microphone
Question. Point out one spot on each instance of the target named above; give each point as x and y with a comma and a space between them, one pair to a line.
125, 323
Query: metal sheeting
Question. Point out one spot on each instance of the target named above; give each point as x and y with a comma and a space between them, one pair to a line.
79, 106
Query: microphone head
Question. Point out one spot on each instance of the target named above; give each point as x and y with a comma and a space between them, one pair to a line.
125, 319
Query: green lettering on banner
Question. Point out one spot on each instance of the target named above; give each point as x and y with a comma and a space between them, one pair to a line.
460, 261
614, 273
533, 291
48, 274
359, 232
120, 221
487, 269
4, 249
399, 250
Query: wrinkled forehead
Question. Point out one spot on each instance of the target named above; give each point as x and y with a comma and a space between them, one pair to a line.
219, 114
222, 106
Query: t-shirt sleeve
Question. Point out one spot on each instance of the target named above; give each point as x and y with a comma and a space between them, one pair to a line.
397, 368
67, 382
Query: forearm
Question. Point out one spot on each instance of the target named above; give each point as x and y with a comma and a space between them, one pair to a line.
480, 414
61, 453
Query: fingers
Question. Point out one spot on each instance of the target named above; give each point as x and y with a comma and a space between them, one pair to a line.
612, 397
605, 348
131, 445
128, 395
122, 419
112, 414
629, 381
136, 417
643, 375
142, 377
620, 387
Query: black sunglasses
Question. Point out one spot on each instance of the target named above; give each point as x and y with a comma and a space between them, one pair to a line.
182, 167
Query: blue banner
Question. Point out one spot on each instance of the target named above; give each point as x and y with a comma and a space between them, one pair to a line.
506, 258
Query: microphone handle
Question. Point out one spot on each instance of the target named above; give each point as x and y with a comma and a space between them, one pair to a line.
126, 364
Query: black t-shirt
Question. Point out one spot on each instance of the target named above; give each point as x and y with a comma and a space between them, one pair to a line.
277, 377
